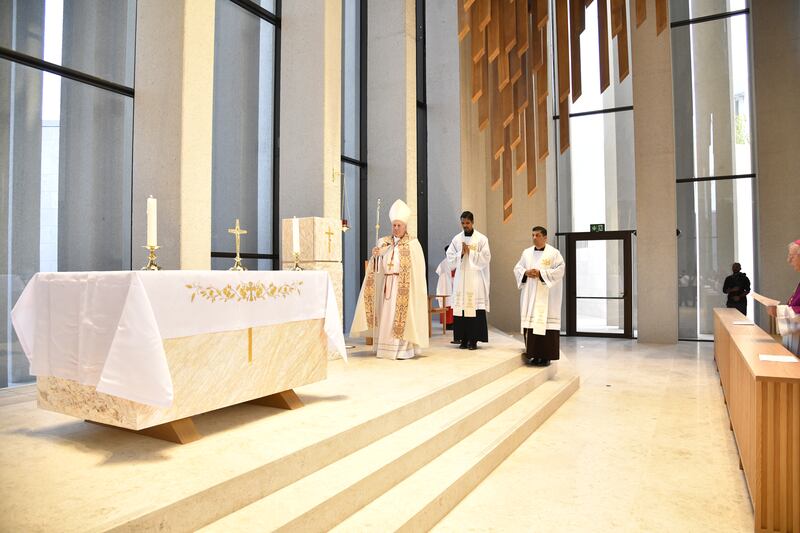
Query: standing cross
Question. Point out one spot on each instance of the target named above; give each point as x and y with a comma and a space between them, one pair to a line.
238, 232
237, 261
329, 233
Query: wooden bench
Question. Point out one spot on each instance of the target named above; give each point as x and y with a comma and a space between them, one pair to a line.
763, 400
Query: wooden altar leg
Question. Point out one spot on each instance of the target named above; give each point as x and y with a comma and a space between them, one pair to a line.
181, 431
368, 341
282, 400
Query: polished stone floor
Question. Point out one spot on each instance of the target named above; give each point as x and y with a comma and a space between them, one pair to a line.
644, 445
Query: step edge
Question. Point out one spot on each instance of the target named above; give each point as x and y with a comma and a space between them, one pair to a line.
355, 498
525, 427
376, 428
429, 516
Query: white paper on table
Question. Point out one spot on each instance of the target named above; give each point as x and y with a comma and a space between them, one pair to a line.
743, 323
778, 358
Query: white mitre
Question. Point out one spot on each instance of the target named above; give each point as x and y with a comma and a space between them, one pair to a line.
400, 211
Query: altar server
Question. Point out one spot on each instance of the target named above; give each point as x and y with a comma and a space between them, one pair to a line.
469, 255
539, 273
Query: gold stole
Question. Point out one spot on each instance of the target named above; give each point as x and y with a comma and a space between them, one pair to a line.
404, 283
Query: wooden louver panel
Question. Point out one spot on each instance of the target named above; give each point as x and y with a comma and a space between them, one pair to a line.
507, 41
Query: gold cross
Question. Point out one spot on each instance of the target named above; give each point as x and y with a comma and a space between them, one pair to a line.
238, 232
329, 233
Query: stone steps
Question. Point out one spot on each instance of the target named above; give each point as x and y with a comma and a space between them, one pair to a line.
221, 500
328, 496
424, 498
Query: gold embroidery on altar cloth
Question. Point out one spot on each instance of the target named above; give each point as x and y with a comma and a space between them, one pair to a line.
243, 292
404, 282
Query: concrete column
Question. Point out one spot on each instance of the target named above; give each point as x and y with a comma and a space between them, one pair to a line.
310, 108
444, 133
657, 262
776, 77
173, 128
392, 105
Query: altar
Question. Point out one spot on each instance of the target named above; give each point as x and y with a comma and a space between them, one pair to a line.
148, 350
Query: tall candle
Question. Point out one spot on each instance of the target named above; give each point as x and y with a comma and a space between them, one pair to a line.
295, 236
152, 222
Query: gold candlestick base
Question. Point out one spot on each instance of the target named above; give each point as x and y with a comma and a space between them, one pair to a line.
297, 262
237, 264
151, 258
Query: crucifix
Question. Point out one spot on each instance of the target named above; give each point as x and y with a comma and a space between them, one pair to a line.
238, 232
329, 233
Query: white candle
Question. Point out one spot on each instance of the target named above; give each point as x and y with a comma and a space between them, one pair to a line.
152, 222
295, 236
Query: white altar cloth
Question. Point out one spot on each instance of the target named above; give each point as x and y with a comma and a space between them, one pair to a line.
105, 329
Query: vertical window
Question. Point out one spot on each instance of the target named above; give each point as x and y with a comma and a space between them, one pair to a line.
354, 151
715, 178
243, 149
595, 177
66, 127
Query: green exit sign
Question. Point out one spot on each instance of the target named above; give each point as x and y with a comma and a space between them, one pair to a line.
597, 227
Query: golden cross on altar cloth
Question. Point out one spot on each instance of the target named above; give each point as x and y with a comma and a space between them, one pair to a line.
329, 233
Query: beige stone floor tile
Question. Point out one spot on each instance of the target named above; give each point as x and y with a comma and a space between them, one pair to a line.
644, 445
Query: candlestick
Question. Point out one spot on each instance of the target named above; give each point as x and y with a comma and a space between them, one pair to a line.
297, 262
152, 222
151, 258
295, 236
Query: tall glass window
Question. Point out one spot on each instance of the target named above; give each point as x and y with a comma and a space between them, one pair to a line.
354, 157
66, 126
595, 177
243, 178
715, 175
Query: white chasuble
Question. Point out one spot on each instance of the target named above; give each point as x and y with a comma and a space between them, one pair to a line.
394, 295
471, 283
540, 299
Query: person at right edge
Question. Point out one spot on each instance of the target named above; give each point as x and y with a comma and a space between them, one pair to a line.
539, 273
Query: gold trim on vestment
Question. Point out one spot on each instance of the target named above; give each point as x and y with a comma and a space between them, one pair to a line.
404, 282
369, 288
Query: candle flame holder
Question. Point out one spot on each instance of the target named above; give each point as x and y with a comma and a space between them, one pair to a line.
151, 258
297, 261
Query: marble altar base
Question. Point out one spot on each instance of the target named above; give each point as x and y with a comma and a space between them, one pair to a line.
209, 371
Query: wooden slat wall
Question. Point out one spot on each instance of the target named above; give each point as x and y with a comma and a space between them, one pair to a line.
641, 12
530, 149
622, 43
661, 16
508, 173
602, 37
576, 8
507, 42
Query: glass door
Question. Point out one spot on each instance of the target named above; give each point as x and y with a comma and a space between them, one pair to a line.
599, 284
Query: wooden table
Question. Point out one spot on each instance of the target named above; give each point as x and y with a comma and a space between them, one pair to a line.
763, 400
